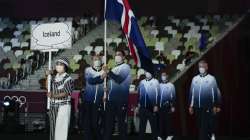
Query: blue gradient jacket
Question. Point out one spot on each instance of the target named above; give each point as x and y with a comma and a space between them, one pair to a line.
167, 94
204, 92
118, 84
148, 91
94, 85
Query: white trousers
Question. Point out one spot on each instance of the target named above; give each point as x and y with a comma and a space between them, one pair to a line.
59, 122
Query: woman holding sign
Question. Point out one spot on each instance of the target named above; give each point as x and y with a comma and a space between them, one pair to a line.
60, 106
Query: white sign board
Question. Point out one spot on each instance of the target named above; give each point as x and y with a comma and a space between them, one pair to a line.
51, 36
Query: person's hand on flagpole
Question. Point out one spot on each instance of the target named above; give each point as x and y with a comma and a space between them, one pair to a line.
105, 68
105, 95
48, 72
104, 75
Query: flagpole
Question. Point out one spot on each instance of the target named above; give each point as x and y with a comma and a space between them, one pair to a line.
105, 52
49, 79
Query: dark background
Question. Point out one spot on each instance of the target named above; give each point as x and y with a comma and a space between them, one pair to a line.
229, 62
41, 8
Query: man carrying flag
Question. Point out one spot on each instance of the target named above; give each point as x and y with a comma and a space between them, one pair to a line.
119, 77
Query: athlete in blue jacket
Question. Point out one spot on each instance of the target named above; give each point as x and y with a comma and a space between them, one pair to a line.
148, 90
119, 80
93, 96
167, 107
204, 100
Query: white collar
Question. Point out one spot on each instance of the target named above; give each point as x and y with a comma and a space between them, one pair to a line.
60, 77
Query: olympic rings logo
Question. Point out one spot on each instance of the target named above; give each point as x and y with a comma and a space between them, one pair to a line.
21, 99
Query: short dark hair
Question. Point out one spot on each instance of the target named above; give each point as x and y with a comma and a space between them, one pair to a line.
163, 71
203, 61
66, 68
122, 51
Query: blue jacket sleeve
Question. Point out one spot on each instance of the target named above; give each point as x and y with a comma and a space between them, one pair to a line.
93, 80
139, 94
191, 93
119, 78
157, 90
218, 98
173, 96
216, 93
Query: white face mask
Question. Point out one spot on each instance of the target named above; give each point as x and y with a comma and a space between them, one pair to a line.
97, 64
118, 59
59, 68
148, 75
164, 78
202, 70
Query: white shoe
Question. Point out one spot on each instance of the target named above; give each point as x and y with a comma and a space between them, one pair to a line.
213, 137
159, 138
169, 138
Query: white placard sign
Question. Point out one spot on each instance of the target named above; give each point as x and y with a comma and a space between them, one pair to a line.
50, 36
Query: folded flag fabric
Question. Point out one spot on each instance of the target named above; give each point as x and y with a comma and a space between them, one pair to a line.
120, 11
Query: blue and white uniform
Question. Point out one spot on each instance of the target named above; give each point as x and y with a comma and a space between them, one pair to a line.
167, 101
167, 94
204, 92
93, 103
94, 85
204, 95
148, 93
119, 82
148, 90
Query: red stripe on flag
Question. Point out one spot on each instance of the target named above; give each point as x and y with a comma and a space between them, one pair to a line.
132, 50
126, 22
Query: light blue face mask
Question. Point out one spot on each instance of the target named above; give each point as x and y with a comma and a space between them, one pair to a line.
118, 59
164, 78
148, 75
97, 64
202, 70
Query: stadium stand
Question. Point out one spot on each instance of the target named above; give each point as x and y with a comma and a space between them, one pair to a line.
173, 42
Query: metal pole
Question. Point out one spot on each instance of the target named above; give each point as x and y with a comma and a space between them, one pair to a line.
105, 51
49, 79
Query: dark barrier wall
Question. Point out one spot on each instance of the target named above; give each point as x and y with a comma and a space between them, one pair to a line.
229, 63
41, 8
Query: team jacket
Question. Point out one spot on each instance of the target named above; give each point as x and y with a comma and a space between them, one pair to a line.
204, 92
94, 85
167, 94
148, 93
118, 83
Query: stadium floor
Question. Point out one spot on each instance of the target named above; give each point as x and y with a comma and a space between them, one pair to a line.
80, 137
